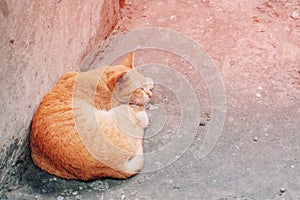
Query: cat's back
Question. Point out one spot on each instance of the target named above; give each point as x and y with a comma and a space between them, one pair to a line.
54, 113
53, 138
61, 93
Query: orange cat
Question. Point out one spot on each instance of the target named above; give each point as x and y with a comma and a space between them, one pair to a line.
91, 124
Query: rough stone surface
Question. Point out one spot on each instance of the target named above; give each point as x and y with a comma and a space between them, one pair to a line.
256, 47
40, 40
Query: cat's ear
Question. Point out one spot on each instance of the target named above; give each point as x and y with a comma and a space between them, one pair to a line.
128, 61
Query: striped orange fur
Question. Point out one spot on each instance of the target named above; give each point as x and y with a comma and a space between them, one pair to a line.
90, 125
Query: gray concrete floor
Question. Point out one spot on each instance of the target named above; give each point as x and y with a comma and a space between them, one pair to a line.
256, 48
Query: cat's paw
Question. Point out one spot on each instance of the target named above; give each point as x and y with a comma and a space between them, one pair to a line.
142, 118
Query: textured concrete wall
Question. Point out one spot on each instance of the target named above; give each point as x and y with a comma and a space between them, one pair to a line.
39, 41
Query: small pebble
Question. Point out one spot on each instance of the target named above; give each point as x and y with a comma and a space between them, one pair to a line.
282, 190
202, 124
44, 181
78, 197
44, 191
123, 196
295, 15
292, 166
255, 139
60, 198
176, 188
288, 29
75, 193
258, 94
172, 17
80, 188
54, 179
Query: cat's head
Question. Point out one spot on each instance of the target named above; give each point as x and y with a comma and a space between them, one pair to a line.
132, 87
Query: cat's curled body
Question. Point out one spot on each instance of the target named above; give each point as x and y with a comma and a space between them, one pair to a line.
74, 136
